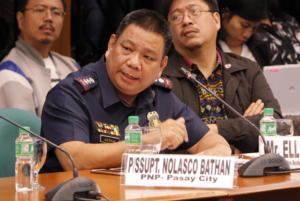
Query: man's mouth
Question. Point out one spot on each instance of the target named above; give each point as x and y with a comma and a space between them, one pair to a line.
189, 32
47, 27
129, 76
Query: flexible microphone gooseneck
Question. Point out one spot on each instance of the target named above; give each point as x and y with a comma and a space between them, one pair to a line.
264, 165
77, 187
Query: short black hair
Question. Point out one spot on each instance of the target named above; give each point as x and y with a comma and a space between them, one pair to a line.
21, 5
166, 5
151, 21
252, 10
276, 10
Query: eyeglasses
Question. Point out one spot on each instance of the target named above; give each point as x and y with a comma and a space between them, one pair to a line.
177, 19
42, 11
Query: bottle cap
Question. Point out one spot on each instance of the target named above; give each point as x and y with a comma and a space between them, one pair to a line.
133, 119
269, 111
22, 131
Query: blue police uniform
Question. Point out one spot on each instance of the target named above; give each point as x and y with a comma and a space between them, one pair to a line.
85, 107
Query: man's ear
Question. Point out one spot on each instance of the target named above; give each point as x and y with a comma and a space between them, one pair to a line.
217, 20
20, 19
163, 64
111, 44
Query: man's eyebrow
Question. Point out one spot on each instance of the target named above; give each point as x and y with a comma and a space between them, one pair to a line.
174, 11
128, 41
52, 7
188, 6
146, 48
151, 51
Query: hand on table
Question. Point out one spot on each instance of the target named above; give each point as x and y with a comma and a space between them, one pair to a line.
173, 133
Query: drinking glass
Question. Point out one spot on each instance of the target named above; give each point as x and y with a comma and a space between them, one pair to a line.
236, 168
285, 127
151, 145
39, 158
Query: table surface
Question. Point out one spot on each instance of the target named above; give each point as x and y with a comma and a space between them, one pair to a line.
287, 185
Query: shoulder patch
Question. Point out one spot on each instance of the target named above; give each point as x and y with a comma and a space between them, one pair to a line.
163, 82
87, 82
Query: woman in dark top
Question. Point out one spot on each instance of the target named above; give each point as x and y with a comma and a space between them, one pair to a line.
240, 19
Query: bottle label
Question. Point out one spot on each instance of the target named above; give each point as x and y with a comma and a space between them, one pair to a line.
24, 149
133, 137
268, 129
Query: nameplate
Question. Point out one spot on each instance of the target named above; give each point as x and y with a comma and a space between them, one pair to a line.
166, 170
287, 147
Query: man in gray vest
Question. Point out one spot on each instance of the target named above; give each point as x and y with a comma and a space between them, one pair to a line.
30, 69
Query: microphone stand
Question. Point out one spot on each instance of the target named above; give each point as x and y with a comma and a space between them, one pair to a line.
68, 190
260, 166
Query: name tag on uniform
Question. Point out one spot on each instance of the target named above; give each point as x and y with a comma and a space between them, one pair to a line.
108, 139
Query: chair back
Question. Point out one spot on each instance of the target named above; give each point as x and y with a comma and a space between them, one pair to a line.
9, 134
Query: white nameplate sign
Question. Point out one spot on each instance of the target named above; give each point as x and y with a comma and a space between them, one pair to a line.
287, 147
166, 170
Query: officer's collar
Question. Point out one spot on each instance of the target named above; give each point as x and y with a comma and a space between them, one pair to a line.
145, 98
109, 93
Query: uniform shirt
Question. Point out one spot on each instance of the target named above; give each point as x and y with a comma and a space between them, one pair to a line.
85, 107
211, 108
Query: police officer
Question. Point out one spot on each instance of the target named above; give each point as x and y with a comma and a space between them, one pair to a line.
87, 112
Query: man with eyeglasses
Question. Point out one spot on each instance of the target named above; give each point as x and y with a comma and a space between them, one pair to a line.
237, 80
30, 70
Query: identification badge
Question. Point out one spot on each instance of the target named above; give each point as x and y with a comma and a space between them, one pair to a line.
108, 139
153, 119
108, 128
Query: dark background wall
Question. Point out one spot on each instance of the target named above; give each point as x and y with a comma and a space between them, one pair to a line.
88, 25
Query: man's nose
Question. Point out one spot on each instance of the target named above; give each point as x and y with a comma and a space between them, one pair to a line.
187, 20
48, 15
134, 61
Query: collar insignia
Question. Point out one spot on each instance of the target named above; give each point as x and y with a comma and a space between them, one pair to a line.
163, 82
87, 82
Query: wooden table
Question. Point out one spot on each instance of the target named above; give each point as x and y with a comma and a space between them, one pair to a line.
285, 188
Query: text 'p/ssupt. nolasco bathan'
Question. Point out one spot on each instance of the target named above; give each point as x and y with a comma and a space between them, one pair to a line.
187, 166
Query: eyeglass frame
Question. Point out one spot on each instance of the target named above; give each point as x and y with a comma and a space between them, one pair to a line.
189, 15
46, 7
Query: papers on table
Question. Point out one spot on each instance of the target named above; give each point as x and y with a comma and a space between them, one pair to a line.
244, 158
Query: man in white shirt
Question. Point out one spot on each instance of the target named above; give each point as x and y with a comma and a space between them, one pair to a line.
30, 70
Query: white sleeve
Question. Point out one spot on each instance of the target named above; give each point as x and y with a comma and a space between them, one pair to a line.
16, 92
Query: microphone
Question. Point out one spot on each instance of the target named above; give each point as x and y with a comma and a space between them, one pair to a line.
261, 166
77, 187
